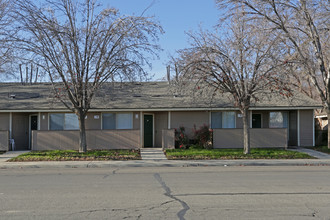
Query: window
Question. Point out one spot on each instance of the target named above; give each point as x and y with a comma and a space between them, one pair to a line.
216, 120
278, 119
223, 120
117, 121
63, 121
109, 121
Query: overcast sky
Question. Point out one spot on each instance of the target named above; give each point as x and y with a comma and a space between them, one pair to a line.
176, 17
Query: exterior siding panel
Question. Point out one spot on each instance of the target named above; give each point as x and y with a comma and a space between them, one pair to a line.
96, 139
259, 138
306, 128
160, 124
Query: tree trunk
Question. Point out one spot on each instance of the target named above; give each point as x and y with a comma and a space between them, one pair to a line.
246, 131
82, 133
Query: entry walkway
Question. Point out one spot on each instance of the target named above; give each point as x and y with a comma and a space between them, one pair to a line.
152, 154
10, 154
313, 153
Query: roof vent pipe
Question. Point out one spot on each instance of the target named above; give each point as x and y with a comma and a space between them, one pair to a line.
12, 96
168, 68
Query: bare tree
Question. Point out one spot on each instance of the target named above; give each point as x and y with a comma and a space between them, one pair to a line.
5, 48
305, 26
239, 62
82, 46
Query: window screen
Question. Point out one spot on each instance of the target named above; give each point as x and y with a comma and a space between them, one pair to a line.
278, 119
109, 121
117, 121
223, 119
216, 120
63, 121
124, 121
228, 120
56, 121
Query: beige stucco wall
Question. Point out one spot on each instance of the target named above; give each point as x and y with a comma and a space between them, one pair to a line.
43, 121
4, 140
239, 120
161, 120
4, 121
136, 120
93, 121
96, 139
189, 119
228, 138
306, 127
259, 138
168, 139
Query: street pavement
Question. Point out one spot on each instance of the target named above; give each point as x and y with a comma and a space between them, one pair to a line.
155, 158
293, 193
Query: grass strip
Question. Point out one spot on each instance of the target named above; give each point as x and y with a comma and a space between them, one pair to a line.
233, 154
72, 155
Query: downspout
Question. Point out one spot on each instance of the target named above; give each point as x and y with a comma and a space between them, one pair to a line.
169, 120
10, 130
141, 129
10, 124
298, 127
313, 129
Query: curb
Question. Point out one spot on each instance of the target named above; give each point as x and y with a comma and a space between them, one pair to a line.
161, 163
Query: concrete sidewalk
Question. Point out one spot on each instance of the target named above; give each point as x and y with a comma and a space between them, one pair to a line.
10, 154
156, 162
313, 153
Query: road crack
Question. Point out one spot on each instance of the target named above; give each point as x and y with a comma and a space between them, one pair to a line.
168, 193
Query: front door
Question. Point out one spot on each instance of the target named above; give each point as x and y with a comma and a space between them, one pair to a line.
148, 131
256, 120
20, 130
33, 126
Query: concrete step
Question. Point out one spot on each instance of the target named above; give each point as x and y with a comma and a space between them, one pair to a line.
152, 154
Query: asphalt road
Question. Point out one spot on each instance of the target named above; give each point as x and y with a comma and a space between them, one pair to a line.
166, 193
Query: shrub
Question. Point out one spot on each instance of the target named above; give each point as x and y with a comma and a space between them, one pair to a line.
181, 139
204, 136
196, 147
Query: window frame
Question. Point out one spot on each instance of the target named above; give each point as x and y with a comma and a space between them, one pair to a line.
131, 116
283, 119
64, 127
223, 113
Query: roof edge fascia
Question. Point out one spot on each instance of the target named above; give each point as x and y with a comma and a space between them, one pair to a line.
168, 109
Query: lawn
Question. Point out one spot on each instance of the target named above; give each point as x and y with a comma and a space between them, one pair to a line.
323, 149
233, 154
71, 155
